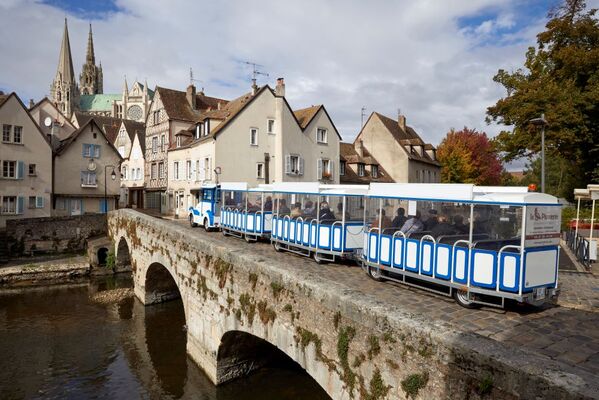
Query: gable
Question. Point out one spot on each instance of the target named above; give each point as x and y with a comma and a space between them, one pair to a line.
14, 111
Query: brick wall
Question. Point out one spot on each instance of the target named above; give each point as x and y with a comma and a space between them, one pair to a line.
53, 234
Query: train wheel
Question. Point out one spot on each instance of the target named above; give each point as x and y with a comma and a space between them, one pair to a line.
248, 239
461, 297
276, 246
206, 225
375, 273
191, 223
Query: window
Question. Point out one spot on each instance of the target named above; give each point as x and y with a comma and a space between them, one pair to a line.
122, 151
153, 171
91, 150
32, 170
124, 173
88, 179
321, 135
9, 169
9, 205
178, 141
39, 202
162, 142
254, 136
31, 201
360, 169
161, 170
207, 168
6, 132
375, 171
260, 170
198, 170
154, 144
138, 174
325, 169
176, 170
156, 117
17, 134
188, 169
294, 164
342, 168
270, 126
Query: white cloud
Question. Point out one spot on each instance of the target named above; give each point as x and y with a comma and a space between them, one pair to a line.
379, 54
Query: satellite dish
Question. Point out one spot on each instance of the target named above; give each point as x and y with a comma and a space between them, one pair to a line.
48, 121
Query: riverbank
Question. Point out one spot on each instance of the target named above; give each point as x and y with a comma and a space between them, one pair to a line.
53, 271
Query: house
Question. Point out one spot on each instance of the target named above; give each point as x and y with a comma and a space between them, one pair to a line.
256, 138
397, 149
25, 162
357, 166
86, 172
131, 144
171, 111
51, 120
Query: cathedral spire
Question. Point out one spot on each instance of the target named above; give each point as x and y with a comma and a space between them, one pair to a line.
90, 57
65, 62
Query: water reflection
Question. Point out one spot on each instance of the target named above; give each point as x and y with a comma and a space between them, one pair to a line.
55, 343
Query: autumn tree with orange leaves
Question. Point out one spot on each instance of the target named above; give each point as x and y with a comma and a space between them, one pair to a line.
467, 156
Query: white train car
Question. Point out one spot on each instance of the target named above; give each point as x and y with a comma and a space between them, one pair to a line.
322, 221
206, 211
481, 245
246, 212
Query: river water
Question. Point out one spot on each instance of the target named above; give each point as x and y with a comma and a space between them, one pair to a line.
57, 344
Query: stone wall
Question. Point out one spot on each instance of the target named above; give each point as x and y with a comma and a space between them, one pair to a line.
53, 234
354, 346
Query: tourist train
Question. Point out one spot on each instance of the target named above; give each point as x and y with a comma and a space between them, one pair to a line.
479, 244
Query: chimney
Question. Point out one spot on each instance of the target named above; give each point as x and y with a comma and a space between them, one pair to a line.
31, 103
280, 88
191, 96
361, 148
401, 120
254, 87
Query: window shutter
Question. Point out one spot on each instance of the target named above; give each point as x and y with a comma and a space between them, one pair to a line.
332, 169
20, 169
84, 151
20, 204
287, 164
319, 169
301, 165
202, 172
39, 202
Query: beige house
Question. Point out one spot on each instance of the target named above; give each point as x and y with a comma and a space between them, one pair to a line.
25, 162
256, 138
394, 148
51, 120
171, 111
357, 166
86, 172
130, 143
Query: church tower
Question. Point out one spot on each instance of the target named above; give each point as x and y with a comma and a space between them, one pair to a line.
90, 79
64, 90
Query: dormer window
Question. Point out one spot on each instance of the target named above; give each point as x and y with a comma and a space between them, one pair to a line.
361, 169
374, 171
342, 168
178, 141
270, 126
198, 131
321, 135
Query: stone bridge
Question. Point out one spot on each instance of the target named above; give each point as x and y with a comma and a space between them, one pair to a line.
244, 302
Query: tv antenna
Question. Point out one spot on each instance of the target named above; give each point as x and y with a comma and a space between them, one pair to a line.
256, 71
192, 79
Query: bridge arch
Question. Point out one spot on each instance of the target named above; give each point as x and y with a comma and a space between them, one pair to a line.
160, 284
122, 252
240, 353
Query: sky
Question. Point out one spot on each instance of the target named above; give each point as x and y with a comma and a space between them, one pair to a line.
431, 60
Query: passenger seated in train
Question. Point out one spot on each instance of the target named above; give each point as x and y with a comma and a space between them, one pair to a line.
481, 223
255, 207
431, 221
283, 209
400, 218
326, 214
413, 225
296, 210
385, 222
268, 204
340, 211
443, 227
309, 211
459, 226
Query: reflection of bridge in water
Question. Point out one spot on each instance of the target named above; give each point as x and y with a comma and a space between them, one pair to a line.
240, 300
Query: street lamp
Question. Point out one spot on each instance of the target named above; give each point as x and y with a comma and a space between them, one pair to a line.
542, 122
113, 177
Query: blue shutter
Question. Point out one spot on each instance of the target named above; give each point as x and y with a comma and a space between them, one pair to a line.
20, 204
84, 151
20, 169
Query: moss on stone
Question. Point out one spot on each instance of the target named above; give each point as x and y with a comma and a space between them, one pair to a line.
277, 288
388, 338
266, 313
374, 347
358, 360
253, 279
485, 386
288, 308
346, 335
248, 307
377, 388
414, 383
392, 364
221, 271
336, 319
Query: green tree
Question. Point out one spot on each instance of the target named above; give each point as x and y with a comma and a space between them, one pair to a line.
560, 78
467, 156
560, 179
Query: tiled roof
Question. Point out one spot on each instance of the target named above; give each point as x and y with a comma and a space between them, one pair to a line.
64, 144
177, 107
305, 115
139, 128
3, 98
407, 138
109, 125
348, 153
97, 102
